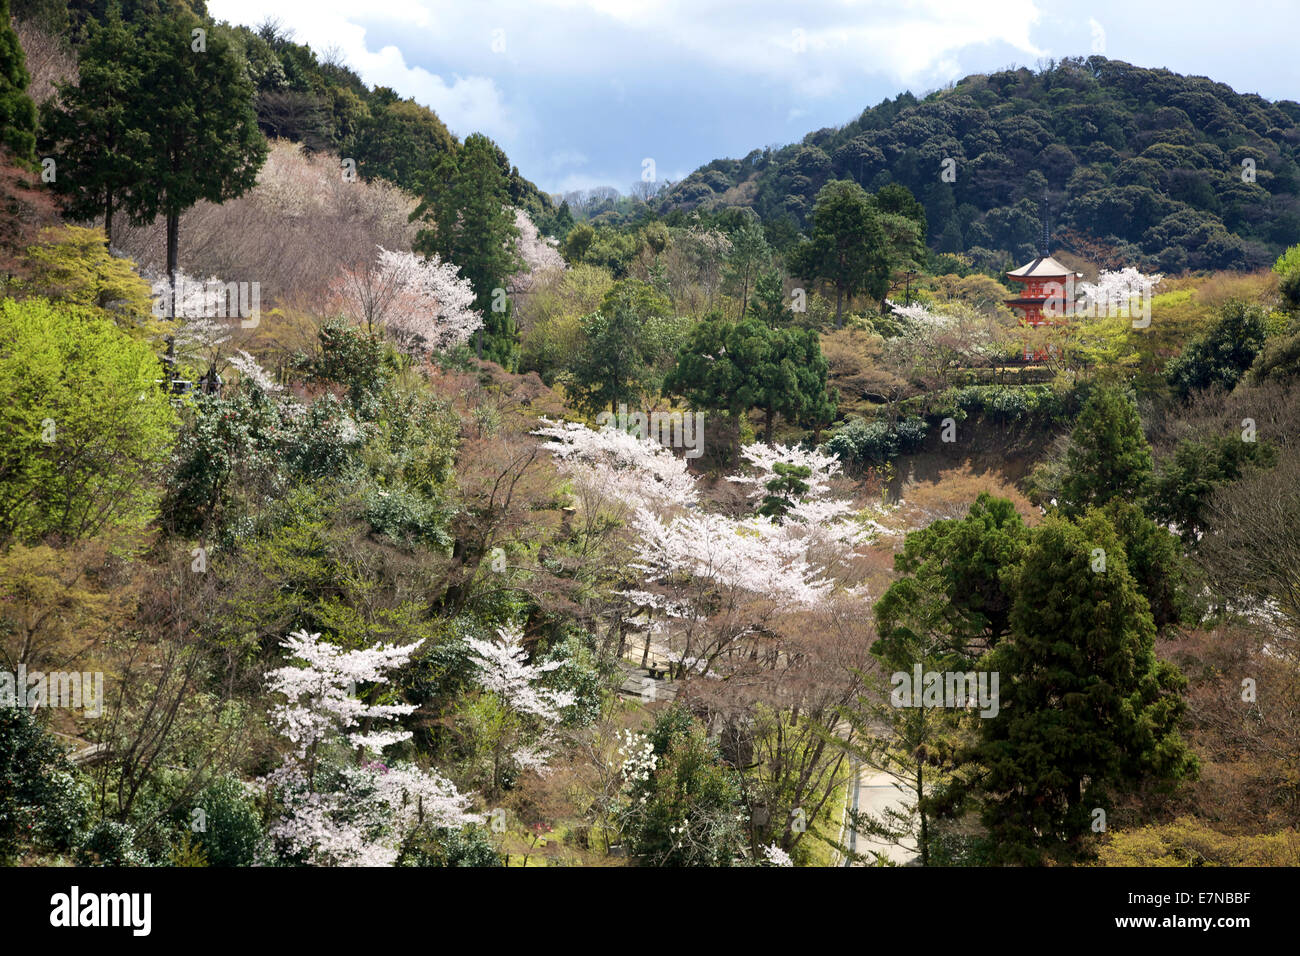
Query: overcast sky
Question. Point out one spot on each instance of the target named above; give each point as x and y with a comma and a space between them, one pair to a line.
580, 92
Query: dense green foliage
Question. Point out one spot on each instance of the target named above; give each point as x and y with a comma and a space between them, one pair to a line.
85, 427
41, 805
1087, 704
1222, 355
1186, 480
17, 112
952, 594
464, 202
99, 150
197, 113
738, 366
1150, 162
1288, 269
687, 812
846, 246
1109, 456
862, 443
624, 346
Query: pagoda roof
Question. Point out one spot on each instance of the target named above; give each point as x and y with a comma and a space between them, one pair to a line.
1044, 267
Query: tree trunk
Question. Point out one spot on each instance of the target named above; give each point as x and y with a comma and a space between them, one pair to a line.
768, 416
925, 824
839, 306
173, 249
108, 218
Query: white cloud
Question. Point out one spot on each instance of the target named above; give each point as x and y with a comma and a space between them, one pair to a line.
505, 67
820, 46
567, 157
466, 104
834, 40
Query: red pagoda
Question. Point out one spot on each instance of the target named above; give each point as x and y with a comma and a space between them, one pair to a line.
1048, 288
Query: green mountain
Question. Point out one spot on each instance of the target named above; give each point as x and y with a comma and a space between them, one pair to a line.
1138, 165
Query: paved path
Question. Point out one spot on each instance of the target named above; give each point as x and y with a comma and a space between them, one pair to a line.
873, 791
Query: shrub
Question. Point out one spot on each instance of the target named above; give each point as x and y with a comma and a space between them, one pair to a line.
232, 833
1288, 269
111, 843
1187, 842
406, 518
42, 806
1222, 354
468, 846
1008, 404
861, 443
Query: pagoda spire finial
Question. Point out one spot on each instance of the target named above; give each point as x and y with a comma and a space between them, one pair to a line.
1044, 245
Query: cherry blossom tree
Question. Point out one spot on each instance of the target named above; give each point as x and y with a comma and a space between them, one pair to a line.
503, 669
942, 339
340, 812
775, 856
422, 304
250, 370
708, 579
1114, 291
539, 253
609, 467
757, 614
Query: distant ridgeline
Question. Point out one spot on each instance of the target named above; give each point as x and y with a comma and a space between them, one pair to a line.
1137, 166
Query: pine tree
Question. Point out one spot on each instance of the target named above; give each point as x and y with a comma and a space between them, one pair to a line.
617, 363
1084, 702
847, 245
749, 255
745, 365
953, 583
17, 112
769, 304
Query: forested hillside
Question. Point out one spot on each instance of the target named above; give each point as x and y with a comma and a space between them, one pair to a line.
405, 518
302, 95
1137, 165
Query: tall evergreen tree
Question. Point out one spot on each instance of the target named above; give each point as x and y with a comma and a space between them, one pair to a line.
1109, 457
17, 112
1084, 702
466, 205
847, 246
769, 305
749, 255
617, 363
953, 584
97, 151
194, 101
